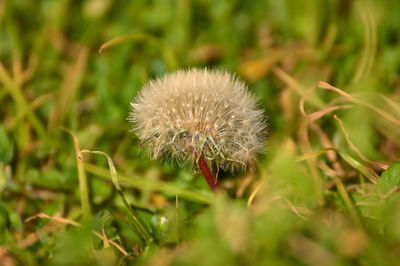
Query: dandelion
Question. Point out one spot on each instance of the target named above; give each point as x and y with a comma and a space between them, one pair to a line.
203, 116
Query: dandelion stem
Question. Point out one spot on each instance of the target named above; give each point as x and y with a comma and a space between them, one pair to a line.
208, 175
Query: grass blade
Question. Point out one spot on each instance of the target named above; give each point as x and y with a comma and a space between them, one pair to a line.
133, 217
141, 183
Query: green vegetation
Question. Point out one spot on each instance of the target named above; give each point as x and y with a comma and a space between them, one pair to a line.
326, 192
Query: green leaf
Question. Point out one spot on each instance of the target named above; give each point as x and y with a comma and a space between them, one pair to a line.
389, 179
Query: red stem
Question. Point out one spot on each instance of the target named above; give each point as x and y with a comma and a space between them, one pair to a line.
208, 175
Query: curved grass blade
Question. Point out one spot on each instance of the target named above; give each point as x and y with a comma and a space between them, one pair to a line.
133, 217
349, 159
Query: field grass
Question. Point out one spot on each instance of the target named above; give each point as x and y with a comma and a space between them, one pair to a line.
326, 191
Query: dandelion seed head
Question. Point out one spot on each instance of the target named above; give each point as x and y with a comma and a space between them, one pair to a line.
199, 111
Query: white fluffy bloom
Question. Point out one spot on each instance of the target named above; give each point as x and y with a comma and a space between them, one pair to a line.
200, 112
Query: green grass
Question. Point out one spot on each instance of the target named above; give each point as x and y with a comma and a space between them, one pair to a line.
326, 192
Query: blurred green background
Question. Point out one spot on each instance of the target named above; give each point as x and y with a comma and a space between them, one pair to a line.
324, 193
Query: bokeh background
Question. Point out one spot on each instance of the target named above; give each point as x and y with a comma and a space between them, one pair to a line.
324, 193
